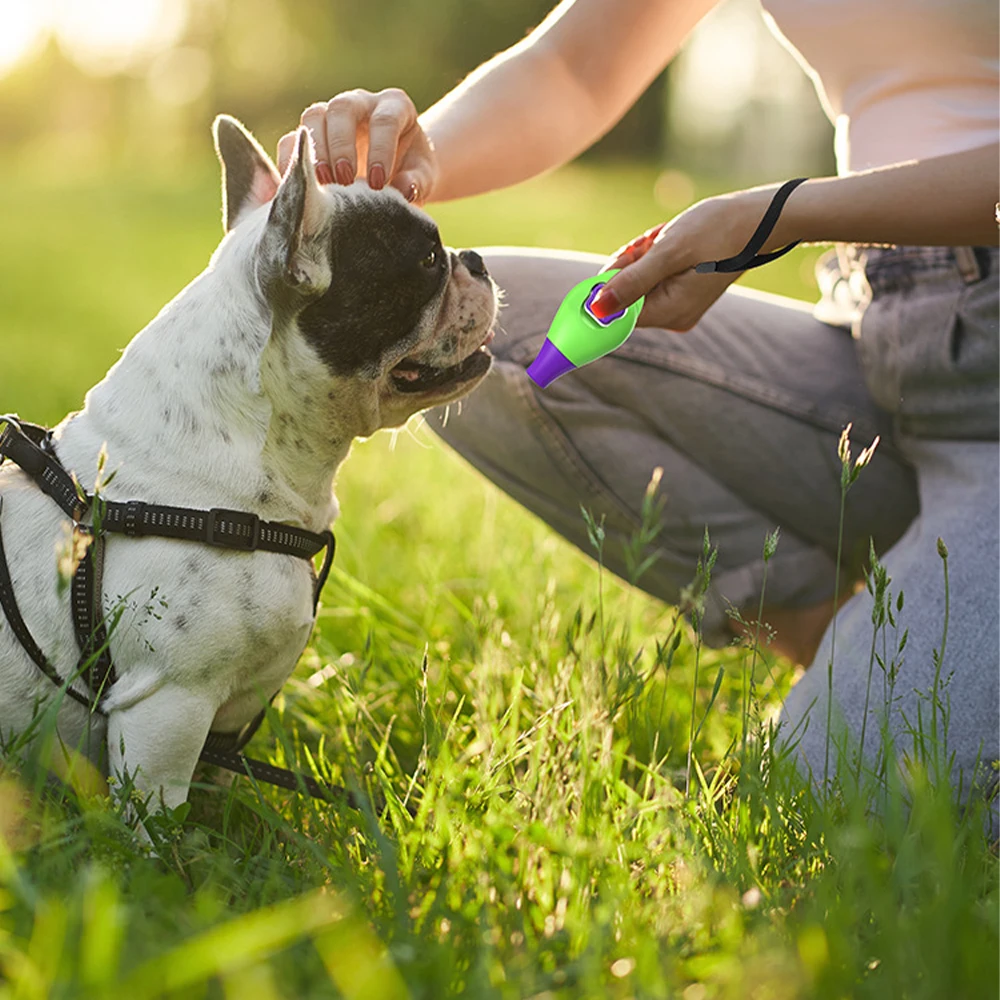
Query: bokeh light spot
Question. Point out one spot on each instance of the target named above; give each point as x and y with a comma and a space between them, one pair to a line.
110, 36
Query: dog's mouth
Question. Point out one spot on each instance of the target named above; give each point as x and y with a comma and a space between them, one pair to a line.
411, 376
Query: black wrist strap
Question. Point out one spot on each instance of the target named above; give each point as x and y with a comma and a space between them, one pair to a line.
748, 257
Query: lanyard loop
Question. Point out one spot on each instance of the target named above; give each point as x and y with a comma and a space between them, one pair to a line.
748, 257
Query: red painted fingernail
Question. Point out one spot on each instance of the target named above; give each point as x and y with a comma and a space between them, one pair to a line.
344, 171
376, 176
640, 245
605, 303
323, 173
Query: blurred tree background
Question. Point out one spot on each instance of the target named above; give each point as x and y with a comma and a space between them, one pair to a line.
107, 172
88, 83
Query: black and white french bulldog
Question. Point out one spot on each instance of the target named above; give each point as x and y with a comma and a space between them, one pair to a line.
326, 313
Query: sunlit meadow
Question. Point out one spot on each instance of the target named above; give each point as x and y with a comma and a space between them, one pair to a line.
538, 820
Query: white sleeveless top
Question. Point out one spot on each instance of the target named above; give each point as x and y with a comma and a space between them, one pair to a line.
900, 79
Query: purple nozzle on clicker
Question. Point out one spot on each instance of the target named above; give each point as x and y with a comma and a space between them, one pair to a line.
549, 365
577, 335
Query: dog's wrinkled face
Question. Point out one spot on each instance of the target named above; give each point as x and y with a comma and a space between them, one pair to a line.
362, 290
401, 309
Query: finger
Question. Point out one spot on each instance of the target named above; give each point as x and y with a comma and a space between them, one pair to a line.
622, 257
634, 249
636, 279
286, 146
346, 119
393, 116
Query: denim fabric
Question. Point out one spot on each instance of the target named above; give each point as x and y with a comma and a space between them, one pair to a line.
743, 414
960, 504
928, 338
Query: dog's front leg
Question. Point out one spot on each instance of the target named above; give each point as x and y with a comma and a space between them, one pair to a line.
156, 742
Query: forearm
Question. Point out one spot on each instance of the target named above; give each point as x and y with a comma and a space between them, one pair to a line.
517, 116
540, 103
945, 201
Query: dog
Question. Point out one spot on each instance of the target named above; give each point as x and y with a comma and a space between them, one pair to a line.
326, 313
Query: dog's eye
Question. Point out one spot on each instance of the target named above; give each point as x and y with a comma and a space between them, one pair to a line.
430, 261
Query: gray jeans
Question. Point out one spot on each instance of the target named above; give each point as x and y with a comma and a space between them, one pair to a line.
743, 414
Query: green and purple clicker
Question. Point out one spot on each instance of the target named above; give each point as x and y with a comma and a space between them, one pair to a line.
577, 336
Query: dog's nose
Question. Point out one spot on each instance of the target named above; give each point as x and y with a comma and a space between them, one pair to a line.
475, 263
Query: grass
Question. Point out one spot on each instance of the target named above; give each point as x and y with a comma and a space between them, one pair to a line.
537, 724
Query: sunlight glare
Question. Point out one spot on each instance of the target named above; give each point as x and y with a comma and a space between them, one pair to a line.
23, 27
109, 36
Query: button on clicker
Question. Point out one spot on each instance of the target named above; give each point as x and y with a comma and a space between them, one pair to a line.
608, 320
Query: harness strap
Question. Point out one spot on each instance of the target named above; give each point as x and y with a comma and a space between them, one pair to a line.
30, 447
324, 570
233, 742
95, 663
43, 466
23, 634
220, 526
280, 776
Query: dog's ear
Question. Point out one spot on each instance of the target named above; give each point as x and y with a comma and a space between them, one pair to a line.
294, 246
249, 178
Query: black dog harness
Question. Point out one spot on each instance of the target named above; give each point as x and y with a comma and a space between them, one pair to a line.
32, 448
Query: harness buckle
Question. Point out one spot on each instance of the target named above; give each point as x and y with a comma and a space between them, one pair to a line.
232, 529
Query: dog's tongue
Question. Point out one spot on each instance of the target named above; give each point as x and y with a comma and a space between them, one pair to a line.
408, 370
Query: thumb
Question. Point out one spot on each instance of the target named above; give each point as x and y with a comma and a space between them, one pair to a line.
414, 185
635, 280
